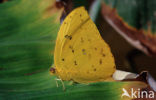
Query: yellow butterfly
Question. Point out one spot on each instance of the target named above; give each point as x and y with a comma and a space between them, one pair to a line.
80, 53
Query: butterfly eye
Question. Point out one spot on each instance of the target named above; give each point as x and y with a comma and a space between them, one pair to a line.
52, 70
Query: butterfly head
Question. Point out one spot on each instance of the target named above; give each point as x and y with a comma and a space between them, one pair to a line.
52, 70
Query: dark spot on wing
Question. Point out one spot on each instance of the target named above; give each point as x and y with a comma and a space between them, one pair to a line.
95, 48
100, 61
84, 51
80, 15
103, 55
72, 51
75, 63
62, 59
68, 37
94, 69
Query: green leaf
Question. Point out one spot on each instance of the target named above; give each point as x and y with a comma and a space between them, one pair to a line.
27, 39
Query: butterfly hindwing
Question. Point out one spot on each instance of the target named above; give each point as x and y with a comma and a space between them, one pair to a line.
82, 55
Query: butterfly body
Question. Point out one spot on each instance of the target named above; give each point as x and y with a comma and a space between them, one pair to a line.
80, 53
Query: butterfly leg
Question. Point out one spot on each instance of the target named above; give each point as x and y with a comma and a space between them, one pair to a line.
62, 84
59, 79
57, 82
